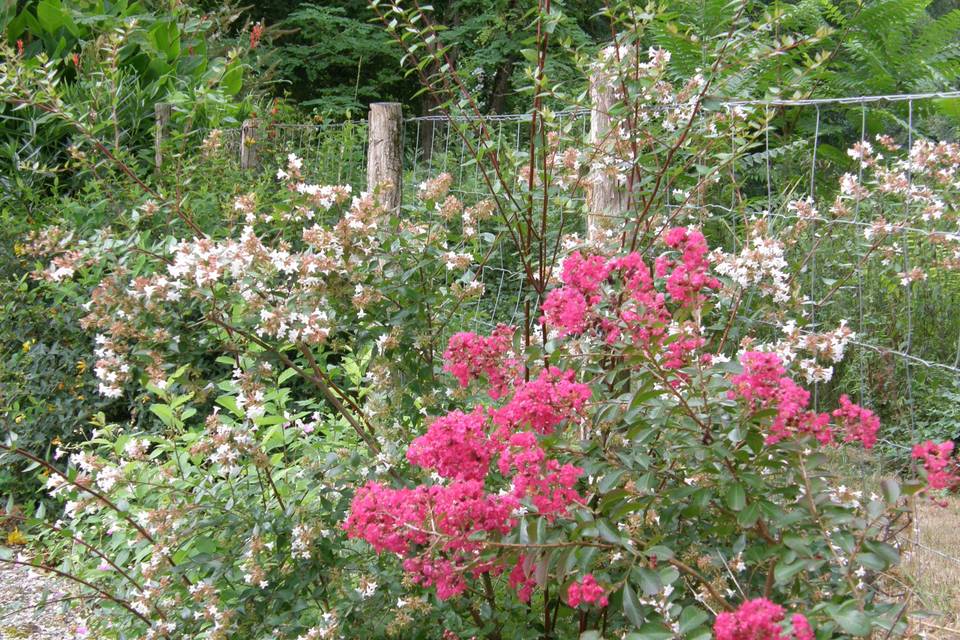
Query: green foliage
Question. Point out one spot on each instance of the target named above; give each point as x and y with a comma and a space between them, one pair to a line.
79, 86
334, 62
105, 66
271, 349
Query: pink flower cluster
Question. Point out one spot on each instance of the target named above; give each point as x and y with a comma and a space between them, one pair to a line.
763, 385
586, 274
566, 309
641, 313
543, 403
687, 278
548, 484
941, 468
456, 446
861, 424
521, 578
539, 407
439, 529
586, 591
445, 518
760, 619
469, 357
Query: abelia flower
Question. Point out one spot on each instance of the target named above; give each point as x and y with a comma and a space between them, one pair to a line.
760, 619
586, 591
455, 446
860, 424
435, 189
469, 357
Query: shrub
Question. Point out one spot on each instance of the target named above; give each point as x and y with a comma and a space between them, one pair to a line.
635, 460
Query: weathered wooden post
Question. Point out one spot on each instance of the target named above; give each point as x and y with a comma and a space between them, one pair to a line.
248, 144
161, 114
385, 153
606, 198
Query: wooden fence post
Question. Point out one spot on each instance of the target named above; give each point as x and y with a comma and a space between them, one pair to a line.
385, 153
161, 114
248, 144
606, 199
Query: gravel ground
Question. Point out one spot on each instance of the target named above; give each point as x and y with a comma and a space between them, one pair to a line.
19, 589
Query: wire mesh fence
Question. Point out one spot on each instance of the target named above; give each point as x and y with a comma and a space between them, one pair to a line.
891, 276
332, 153
899, 295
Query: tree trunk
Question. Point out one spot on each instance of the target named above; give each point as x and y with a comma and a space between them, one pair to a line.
385, 154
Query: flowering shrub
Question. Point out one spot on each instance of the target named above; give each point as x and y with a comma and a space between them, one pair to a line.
634, 461
694, 484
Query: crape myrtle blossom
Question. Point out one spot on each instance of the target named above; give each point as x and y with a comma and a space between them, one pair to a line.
444, 518
456, 446
469, 357
763, 384
641, 314
941, 468
440, 529
586, 591
760, 619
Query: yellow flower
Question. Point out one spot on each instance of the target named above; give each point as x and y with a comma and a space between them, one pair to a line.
81, 366
16, 538
18, 419
26, 346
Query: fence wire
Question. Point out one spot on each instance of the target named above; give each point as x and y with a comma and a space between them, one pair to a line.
907, 332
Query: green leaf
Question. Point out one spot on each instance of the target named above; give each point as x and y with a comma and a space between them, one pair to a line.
785, 571
165, 413
607, 532
891, 490
51, 15
651, 631
851, 619
883, 550
691, 618
232, 80
735, 497
204, 544
631, 606
660, 552
749, 516
649, 581
610, 480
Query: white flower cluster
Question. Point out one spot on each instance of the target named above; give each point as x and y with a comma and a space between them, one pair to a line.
301, 540
327, 630
111, 368
829, 346
760, 263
